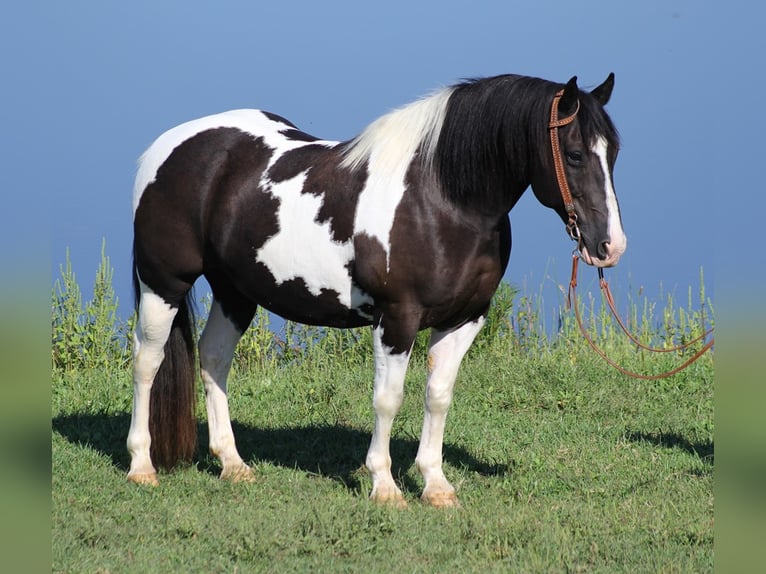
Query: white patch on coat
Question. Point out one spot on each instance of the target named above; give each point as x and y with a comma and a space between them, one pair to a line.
388, 146
253, 122
617, 240
304, 248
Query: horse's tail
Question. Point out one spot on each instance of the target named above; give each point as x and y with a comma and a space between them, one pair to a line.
172, 420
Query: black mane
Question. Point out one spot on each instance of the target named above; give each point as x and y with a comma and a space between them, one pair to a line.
491, 130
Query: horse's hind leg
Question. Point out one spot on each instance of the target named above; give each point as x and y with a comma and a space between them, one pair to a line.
216, 351
445, 353
155, 319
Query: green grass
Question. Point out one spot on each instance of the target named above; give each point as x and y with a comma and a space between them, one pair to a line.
559, 467
561, 464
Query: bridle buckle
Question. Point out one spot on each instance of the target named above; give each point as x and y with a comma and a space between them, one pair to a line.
572, 228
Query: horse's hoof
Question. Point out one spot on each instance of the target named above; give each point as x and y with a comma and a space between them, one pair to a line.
149, 478
398, 503
242, 473
441, 499
393, 499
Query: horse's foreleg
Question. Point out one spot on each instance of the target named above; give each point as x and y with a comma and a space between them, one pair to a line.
445, 353
390, 369
155, 319
216, 351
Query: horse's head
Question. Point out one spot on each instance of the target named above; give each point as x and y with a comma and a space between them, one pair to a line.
588, 144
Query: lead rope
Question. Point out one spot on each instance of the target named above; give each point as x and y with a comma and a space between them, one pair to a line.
604, 285
572, 302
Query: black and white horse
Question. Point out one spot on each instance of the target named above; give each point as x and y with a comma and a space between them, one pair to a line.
403, 228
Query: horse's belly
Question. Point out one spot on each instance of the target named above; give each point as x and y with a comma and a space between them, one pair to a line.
311, 279
303, 301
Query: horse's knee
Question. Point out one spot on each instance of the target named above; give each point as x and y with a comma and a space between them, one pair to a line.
388, 401
438, 398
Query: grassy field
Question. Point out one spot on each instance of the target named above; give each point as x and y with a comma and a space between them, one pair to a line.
561, 464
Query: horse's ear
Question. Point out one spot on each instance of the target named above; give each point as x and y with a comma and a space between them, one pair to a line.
568, 102
604, 91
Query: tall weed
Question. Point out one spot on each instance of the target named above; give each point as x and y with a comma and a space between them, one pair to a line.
91, 336
67, 324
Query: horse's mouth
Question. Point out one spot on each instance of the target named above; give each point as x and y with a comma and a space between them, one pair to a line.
610, 260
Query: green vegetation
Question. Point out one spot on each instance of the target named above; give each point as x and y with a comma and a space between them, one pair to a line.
561, 463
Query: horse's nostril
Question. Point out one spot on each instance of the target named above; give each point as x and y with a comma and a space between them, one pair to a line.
603, 250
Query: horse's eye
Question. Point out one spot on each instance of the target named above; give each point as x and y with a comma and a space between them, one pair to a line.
574, 158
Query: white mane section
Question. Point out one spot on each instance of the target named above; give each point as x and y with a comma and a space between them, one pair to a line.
395, 137
388, 147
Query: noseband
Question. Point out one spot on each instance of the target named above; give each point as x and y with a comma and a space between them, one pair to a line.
558, 163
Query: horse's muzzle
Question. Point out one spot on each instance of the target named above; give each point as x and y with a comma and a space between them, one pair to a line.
608, 254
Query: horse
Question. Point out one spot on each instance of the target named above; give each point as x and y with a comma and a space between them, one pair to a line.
403, 228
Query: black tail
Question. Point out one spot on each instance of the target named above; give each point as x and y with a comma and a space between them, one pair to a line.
172, 420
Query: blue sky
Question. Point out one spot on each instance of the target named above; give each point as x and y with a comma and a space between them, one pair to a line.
88, 85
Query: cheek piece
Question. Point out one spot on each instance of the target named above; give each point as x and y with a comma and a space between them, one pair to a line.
558, 163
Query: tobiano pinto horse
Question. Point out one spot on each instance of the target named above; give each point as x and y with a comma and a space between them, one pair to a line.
403, 228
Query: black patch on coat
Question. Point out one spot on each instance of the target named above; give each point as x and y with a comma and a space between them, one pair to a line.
195, 213
279, 119
298, 135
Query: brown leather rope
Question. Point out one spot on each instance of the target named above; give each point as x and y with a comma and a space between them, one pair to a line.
574, 232
604, 284
572, 302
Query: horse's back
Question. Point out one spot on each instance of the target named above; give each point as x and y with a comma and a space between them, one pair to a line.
247, 199
273, 131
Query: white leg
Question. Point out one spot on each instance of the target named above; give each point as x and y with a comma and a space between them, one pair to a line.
155, 318
445, 354
390, 369
216, 350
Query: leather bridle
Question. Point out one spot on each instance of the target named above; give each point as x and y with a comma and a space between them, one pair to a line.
574, 232
558, 163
